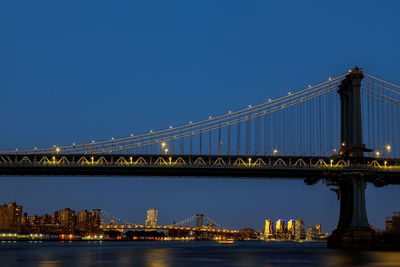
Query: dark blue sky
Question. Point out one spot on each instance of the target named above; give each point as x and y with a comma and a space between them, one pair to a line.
78, 71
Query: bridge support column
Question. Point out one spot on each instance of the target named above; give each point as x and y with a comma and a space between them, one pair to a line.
353, 229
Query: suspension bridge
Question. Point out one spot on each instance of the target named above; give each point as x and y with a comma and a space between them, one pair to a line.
200, 226
343, 131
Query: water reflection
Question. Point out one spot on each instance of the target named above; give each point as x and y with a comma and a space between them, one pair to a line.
171, 254
160, 257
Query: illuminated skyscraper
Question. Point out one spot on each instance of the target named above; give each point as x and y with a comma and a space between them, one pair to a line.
312, 233
299, 230
319, 228
83, 221
152, 215
96, 221
291, 229
268, 229
280, 226
67, 220
280, 229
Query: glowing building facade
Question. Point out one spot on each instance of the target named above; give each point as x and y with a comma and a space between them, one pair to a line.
10, 217
152, 215
269, 231
299, 231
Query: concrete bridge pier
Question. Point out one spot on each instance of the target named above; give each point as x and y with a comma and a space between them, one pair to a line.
353, 230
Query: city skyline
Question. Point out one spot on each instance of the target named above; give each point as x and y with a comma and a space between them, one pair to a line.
92, 79
150, 218
13, 217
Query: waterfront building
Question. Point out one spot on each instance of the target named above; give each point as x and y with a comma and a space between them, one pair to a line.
291, 225
268, 231
319, 229
299, 229
55, 218
312, 233
96, 221
84, 221
67, 221
152, 215
280, 226
10, 217
280, 230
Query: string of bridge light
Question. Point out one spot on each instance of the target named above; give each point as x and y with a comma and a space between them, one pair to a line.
151, 139
215, 127
162, 138
200, 124
165, 138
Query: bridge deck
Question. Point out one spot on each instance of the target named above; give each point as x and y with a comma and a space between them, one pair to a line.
378, 171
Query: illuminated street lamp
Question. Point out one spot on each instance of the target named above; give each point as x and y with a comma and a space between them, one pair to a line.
166, 151
389, 149
249, 162
275, 152
377, 153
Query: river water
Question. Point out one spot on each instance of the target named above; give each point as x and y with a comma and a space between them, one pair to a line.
168, 254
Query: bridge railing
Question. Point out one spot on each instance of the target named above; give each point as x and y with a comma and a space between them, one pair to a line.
162, 161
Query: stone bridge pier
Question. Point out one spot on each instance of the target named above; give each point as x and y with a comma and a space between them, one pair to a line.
353, 229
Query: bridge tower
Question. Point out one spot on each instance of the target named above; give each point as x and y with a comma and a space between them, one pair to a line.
353, 229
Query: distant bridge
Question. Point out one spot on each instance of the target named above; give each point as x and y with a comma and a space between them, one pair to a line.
180, 226
168, 227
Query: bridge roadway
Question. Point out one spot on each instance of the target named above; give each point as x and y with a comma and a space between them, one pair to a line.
168, 227
377, 171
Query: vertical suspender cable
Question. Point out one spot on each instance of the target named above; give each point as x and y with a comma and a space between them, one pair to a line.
191, 141
200, 142
209, 142
265, 133
219, 139
248, 133
238, 136
229, 138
